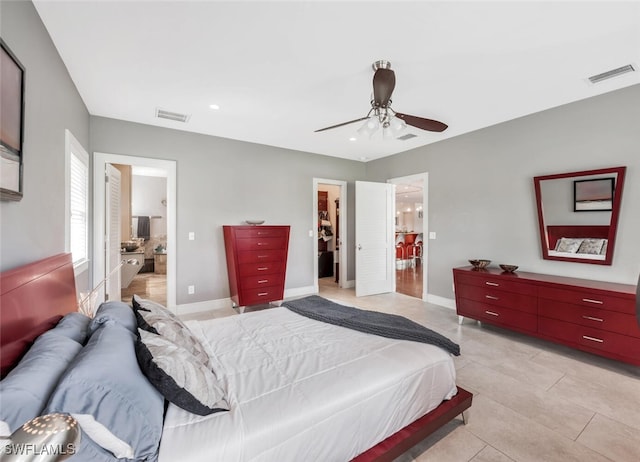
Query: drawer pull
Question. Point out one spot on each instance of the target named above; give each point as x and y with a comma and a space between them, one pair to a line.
263, 256
262, 294
491, 283
263, 268
492, 313
590, 300
591, 318
262, 281
491, 297
262, 243
593, 339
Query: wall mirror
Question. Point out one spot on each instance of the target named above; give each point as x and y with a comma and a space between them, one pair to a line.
11, 124
578, 214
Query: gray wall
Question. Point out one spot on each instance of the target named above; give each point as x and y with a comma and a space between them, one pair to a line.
481, 197
224, 182
34, 228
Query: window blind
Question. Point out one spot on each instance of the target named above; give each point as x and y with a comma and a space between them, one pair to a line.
78, 207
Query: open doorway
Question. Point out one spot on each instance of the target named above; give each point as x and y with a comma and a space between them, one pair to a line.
147, 212
329, 212
143, 214
410, 235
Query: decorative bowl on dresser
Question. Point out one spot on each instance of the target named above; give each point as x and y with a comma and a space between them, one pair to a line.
479, 263
594, 316
256, 263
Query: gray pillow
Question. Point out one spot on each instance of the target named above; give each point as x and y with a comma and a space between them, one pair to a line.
118, 312
568, 244
179, 376
74, 326
105, 382
591, 246
24, 392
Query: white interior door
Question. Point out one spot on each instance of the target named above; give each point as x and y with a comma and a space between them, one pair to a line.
112, 237
375, 244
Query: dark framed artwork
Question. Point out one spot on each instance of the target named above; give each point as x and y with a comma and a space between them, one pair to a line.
11, 124
594, 195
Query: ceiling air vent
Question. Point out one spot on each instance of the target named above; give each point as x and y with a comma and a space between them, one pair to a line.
406, 137
176, 116
612, 73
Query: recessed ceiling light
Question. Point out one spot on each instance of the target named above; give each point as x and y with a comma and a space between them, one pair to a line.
214, 106
353, 138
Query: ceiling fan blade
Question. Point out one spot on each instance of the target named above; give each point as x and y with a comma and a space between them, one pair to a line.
384, 81
422, 123
340, 125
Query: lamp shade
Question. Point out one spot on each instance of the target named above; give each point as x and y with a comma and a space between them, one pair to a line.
398, 125
51, 437
369, 127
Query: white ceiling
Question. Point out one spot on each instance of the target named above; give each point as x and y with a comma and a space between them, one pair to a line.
280, 70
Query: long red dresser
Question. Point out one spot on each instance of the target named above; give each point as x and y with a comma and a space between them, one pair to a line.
594, 316
256, 263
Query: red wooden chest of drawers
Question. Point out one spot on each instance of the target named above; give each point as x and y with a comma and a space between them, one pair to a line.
256, 263
593, 316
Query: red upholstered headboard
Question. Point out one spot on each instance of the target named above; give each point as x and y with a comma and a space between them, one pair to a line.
556, 232
33, 298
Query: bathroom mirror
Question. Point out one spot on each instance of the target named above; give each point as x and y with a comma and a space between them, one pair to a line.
578, 214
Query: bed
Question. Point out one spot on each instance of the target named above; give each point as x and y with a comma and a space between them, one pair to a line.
578, 241
302, 403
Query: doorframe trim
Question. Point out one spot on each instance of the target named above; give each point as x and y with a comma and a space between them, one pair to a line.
343, 257
100, 159
424, 176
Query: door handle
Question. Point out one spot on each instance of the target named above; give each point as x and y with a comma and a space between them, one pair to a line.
359, 247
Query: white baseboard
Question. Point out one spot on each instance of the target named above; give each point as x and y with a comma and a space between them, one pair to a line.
441, 301
300, 291
207, 305
349, 284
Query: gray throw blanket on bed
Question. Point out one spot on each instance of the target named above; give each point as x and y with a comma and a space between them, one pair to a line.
370, 322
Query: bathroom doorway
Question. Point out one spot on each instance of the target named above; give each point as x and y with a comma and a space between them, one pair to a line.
144, 231
147, 245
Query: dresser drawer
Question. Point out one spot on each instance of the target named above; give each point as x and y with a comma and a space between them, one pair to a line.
611, 321
261, 256
496, 282
261, 243
262, 280
497, 315
260, 232
598, 339
259, 295
585, 298
255, 269
496, 297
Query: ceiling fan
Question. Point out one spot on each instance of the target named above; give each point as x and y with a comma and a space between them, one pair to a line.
381, 114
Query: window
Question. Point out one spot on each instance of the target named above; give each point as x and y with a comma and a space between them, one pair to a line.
77, 202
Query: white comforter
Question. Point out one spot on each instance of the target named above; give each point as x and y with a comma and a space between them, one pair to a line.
303, 390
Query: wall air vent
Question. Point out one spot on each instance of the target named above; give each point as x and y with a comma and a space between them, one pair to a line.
612, 73
176, 116
406, 137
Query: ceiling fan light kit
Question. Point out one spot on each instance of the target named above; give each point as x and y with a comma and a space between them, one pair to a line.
381, 114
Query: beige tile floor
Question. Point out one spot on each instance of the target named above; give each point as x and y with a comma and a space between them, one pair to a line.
533, 400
